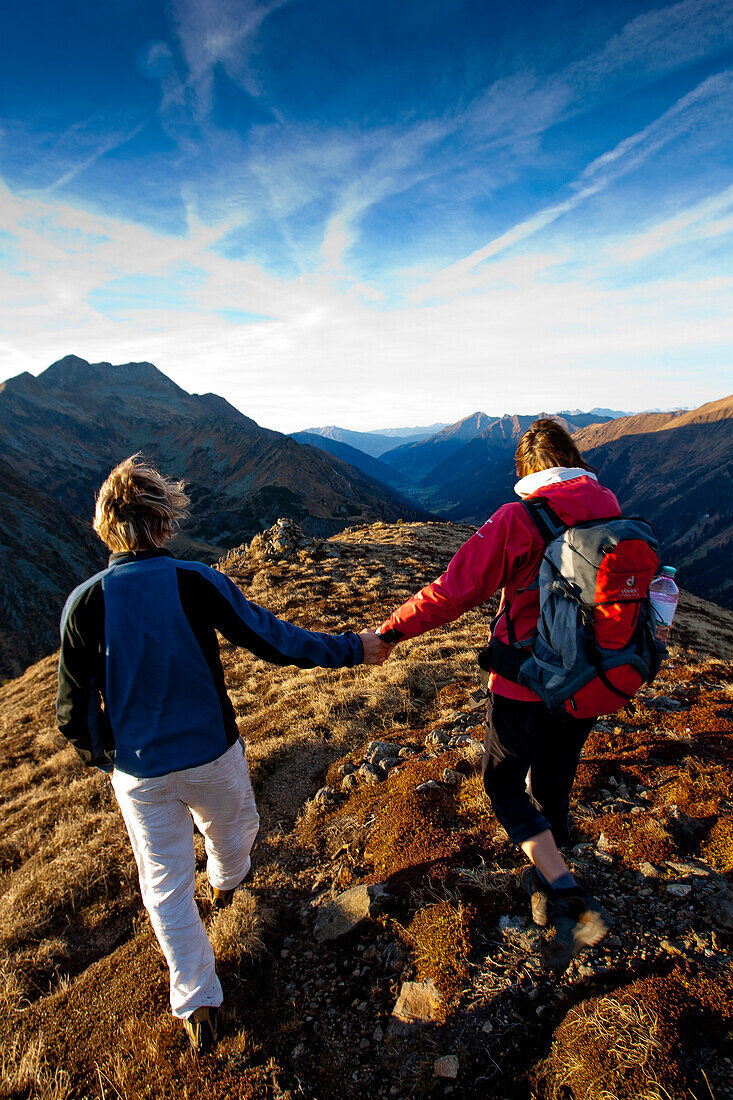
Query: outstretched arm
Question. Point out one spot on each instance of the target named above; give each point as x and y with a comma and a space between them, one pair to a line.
254, 627
481, 566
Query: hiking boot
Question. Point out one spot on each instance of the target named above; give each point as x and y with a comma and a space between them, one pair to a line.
221, 898
202, 1027
537, 892
579, 922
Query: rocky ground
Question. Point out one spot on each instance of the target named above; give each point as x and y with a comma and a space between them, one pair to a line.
384, 945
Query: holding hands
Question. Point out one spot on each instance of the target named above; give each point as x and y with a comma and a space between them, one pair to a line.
376, 651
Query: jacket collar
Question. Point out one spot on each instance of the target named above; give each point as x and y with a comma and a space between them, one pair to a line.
122, 557
532, 482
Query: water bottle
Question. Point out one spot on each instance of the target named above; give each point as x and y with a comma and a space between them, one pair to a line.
664, 595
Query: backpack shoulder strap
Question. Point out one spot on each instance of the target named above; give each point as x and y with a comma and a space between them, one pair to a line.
544, 517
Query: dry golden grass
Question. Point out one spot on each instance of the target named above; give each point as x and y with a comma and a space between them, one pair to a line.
605, 1047
25, 1071
642, 1042
237, 933
439, 938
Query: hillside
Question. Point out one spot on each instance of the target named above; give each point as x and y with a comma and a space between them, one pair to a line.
597, 435
62, 432
31, 584
647, 1013
674, 468
380, 471
679, 475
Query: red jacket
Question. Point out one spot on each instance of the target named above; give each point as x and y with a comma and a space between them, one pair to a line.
505, 553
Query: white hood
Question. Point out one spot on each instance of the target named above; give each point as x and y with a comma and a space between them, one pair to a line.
532, 482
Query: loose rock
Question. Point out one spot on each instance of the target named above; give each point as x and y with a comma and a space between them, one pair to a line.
377, 751
446, 1066
418, 1003
345, 912
720, 908
325, 796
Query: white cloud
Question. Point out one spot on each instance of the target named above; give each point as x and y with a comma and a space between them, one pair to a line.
521, 341
112, 141
219, 32
605, 170
712, 217
538, 317
659, 41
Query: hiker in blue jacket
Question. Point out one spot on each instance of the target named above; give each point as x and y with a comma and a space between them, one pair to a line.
142, 695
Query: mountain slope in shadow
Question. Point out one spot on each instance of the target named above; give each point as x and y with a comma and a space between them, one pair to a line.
62, 432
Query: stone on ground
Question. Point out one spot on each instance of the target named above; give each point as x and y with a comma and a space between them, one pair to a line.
340, 916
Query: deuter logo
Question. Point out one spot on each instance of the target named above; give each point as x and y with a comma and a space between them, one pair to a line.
629, 588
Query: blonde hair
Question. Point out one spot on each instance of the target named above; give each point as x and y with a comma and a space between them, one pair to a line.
544, 445
137, 508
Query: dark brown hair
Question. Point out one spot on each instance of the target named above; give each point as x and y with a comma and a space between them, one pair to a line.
546, 444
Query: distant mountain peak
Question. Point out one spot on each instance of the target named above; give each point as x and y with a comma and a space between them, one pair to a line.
73, 373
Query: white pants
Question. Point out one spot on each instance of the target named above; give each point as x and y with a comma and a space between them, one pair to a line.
158, 814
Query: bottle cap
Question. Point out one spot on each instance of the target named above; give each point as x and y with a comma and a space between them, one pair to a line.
669, 570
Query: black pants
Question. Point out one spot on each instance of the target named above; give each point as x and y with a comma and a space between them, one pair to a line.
527, 737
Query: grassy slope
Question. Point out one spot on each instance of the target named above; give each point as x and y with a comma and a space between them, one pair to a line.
84, 987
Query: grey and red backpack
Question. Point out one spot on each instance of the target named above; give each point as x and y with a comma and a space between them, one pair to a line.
594, 643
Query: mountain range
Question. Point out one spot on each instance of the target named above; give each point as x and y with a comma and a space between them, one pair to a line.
372, 443
674, 467
449, 469
677, 470
62, 431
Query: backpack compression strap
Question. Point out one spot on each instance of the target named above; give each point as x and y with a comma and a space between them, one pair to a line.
499, 657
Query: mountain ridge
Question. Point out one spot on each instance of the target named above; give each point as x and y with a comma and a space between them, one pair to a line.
65, 429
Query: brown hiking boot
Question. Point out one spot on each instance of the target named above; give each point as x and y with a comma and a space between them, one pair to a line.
202, 1027
221, 898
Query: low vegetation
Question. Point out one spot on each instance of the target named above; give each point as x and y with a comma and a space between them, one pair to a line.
646, 1014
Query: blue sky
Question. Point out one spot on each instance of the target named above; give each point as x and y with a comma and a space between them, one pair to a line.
373, 213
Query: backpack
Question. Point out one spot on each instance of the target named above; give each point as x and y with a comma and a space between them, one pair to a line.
594, 644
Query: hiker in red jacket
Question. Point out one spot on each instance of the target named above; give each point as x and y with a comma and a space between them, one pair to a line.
531, 753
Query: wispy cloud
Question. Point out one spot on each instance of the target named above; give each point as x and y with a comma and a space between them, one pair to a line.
657, 42
703, 221
219, 32
605, 170
112, 141
527, 341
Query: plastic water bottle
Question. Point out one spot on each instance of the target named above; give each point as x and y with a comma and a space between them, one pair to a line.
664, 595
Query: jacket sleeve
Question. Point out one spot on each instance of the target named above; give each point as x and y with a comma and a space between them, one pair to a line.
282, 643
79, 713
481, 566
